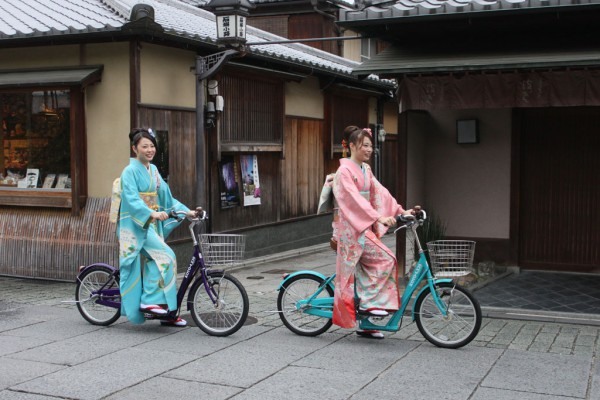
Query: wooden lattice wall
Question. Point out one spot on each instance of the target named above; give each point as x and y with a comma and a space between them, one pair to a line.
51, 243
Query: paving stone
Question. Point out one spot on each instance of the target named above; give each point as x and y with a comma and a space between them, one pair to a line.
542, 373
166, 388
484, 393
13, 372
129, 367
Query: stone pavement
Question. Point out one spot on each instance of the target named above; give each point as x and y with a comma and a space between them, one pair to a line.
48, 351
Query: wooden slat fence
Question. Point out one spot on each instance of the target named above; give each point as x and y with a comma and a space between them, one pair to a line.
52, 243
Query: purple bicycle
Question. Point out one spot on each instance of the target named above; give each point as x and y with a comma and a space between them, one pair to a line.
216, 300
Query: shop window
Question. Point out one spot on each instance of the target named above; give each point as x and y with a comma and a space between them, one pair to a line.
42, 162
35, 140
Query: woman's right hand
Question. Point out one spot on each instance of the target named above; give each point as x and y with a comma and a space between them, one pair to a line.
159, 215
387, 221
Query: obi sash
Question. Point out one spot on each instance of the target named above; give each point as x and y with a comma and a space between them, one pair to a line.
151, 199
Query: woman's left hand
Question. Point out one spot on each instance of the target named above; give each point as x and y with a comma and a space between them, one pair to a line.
193, 214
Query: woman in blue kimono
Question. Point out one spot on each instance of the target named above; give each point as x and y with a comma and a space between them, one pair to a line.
142, 228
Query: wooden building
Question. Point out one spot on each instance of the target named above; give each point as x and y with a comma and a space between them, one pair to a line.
499, 105
73, 84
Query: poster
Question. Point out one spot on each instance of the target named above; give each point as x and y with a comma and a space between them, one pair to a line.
229, 179
33, 176
62, 181
49, 181
250, 182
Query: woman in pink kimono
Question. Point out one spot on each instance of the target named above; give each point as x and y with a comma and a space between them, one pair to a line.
364, 211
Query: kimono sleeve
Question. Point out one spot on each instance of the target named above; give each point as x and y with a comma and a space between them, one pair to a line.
384, 203
169, 203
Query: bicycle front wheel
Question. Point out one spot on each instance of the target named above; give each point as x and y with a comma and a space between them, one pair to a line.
229, 311
89, 290
297, 288
461, 323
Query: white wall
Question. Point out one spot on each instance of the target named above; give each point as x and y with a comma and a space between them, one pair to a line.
304, 99
165, 76
468, 186
107, 117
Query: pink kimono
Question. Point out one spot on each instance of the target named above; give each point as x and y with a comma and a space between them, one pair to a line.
361, 200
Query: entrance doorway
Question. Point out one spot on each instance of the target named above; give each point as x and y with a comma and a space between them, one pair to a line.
559, 188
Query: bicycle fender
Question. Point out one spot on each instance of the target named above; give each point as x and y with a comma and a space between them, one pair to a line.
307, 272
443, 280
82, 270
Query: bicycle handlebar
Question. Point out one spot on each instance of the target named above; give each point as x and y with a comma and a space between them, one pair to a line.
177, 215
406, 221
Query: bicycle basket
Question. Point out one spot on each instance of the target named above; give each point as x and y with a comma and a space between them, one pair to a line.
222, 250
451, 257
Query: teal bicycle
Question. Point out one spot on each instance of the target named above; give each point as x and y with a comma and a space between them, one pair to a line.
447, 314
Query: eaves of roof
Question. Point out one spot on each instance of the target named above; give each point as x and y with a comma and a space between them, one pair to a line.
36, 22
398, 11
395, 61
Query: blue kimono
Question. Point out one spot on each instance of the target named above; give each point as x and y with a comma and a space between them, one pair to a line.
144, 191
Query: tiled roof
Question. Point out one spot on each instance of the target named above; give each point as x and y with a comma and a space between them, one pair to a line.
386, 9
201, 3
24, 19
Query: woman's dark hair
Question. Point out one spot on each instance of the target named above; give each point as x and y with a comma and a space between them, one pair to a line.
354, 134
137, 134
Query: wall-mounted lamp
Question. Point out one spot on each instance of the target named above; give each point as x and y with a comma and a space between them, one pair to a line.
467, 131
230, 16
210, 114
381, 135
213, 87
219, 103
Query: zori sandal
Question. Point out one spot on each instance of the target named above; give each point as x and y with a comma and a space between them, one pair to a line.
370, 334
180, 322
153, 309
375, 312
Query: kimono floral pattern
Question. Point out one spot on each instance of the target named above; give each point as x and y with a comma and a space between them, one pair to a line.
366, 270
140, 237
127, 244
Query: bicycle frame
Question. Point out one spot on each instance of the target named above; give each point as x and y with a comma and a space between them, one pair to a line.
323, 307
106, 296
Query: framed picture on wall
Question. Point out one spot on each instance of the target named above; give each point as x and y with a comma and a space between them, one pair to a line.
467, 131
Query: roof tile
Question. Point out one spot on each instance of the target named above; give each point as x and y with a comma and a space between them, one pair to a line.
35, 18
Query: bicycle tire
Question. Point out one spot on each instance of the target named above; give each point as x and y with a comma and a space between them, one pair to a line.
231, 311
463, 320
298, 288
90, 281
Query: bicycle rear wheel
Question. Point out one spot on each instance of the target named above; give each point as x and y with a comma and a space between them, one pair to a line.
88, 291
459, 326
297, 288
230, 311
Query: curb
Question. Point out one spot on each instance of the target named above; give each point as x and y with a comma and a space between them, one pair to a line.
541, 316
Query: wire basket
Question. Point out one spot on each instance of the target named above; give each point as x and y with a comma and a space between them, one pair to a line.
221, 250
451, 257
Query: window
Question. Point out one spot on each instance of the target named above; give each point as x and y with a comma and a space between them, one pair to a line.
42, 162
35, 139
368, 49
42, 136
253, 112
